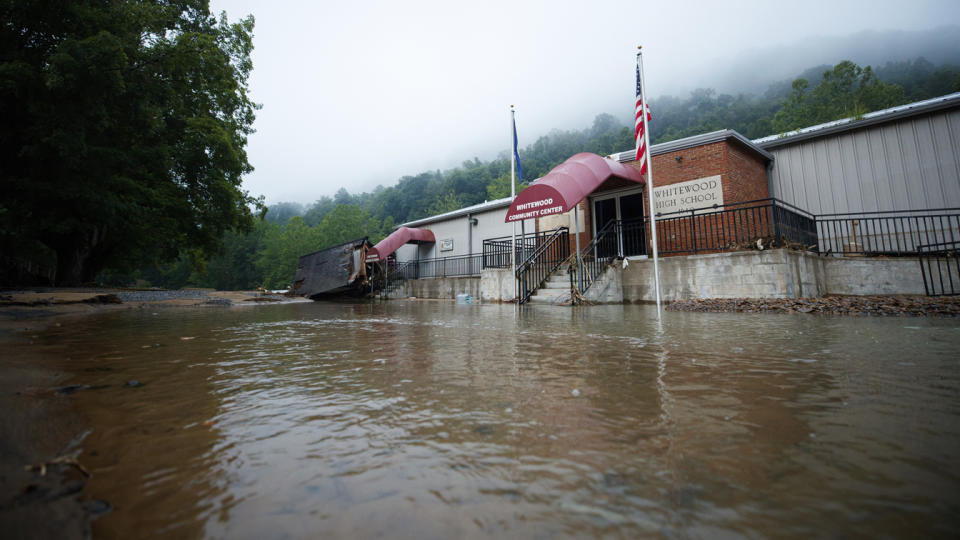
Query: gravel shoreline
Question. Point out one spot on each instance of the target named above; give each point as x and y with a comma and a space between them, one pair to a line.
54, 296
880, 306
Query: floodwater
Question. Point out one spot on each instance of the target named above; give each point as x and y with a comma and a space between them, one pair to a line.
436, 420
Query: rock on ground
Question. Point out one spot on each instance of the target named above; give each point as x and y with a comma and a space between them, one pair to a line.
914, 306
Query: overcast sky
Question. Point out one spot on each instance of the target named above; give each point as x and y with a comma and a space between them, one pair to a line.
359, 94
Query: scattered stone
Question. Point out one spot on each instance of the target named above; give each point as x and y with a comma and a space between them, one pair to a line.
103, 299
878, 306
71, 389
483, 429
575, 392
97, 507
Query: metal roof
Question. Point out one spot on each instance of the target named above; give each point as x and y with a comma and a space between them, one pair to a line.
869, 119
566, 185
475, 209
691, 142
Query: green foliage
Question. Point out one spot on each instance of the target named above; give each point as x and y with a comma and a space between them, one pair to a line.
846, 91
281, 248
281, 213
347, 223
448, 203
124, 131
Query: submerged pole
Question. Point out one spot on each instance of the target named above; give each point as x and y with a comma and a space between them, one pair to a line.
649, 162
513, 195
576, 234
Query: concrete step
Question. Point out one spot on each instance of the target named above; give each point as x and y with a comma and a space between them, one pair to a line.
555, 283
550, 296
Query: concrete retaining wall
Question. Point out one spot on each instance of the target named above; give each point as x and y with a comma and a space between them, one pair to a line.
497, 285
775, 273
438, 288
608, 287
865, 275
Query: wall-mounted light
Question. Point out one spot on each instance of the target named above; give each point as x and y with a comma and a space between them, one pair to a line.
474, 221
679, 159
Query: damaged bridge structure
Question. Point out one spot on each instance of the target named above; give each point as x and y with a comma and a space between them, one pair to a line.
354, 268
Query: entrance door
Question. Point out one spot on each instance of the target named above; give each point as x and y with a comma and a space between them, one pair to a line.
605, 211
633, 236
630, 238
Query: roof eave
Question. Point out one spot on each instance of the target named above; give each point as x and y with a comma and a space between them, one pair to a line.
694, 141
475, 209
848, 124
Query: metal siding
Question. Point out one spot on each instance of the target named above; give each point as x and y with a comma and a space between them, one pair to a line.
912, 163
869, 200
953, 132
796, 176
910, 153
808, 180
850, 181
490, 224
821, 169
834, 165
893, 164
927, 166
776, 184
946, 148
881, 173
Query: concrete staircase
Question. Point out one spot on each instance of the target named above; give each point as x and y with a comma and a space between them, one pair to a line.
556, 290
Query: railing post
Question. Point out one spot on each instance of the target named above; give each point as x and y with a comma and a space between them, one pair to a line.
693, 230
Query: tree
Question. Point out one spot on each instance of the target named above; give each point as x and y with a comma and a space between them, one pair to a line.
281, 213
281, 248
447, 203
346, 223
124, 131
321, 208
845, 91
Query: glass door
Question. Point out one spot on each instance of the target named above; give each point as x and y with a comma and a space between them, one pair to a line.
605, 211
633, 236
630, 238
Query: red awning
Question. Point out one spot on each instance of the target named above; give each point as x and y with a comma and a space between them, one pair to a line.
568, 184
399, 237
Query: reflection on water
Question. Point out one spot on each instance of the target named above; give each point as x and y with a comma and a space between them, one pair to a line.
435, 420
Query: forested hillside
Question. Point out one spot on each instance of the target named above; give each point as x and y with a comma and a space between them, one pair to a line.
268, 255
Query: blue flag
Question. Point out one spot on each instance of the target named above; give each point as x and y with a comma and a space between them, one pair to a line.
516, 152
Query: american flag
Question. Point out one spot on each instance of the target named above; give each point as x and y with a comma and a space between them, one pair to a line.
638, 125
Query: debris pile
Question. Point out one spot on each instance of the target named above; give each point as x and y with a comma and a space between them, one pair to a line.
884, 306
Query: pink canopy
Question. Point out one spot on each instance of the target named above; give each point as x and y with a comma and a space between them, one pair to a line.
568, 184
399, 237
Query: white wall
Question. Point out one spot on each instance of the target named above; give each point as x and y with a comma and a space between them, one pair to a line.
490, 224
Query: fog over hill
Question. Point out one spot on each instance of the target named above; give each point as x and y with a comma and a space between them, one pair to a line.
754, 70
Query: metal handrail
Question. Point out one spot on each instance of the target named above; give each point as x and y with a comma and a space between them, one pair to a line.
536, 268
496, 251
936, 261
732, 206
594, 265
543, 247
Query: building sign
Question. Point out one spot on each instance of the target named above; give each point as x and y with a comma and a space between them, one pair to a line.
686, 196
535, 209
446, 244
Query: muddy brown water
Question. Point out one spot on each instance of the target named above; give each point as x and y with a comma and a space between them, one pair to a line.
436, 420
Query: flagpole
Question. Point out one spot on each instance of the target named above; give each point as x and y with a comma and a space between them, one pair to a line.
646, 143
513, 194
